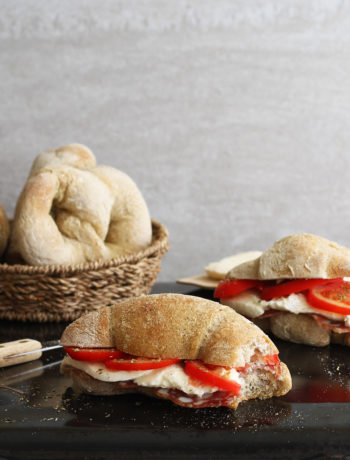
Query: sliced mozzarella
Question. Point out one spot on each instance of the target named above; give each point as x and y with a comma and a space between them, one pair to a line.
250, 304
172, 376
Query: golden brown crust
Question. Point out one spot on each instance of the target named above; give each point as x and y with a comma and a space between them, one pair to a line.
171, 325
297, 256
76, 155
91, 330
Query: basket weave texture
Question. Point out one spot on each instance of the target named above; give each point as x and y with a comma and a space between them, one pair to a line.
54, 293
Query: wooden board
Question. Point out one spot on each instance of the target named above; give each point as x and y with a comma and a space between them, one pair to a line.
202, 281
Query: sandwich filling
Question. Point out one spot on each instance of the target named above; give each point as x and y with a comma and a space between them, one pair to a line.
328, 301
190, 383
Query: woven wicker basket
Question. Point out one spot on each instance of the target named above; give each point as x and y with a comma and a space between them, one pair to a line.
63, 292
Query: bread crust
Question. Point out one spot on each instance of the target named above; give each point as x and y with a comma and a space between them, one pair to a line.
76, 155
171, 326
301, 328
297, 256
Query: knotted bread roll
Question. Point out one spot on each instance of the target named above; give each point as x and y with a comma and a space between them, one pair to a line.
68, 214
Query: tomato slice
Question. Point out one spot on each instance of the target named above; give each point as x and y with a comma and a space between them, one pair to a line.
129, 363
93, 354
292, 287
199, 371
332, 297
229, 288
271, 360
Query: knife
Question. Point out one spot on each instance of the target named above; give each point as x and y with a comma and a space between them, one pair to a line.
24, 350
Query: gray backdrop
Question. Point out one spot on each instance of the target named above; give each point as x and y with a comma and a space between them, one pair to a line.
232, 116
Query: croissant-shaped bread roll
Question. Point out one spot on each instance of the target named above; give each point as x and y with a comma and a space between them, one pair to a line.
4, 230
171, 325
67, 215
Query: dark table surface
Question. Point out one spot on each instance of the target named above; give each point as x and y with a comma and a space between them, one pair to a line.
41, 417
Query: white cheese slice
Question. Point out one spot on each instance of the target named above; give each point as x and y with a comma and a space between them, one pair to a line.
167, 377
250, 304
173, 377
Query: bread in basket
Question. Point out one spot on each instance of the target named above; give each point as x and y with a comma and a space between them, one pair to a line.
81, 238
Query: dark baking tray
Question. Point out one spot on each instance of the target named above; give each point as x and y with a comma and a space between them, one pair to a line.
41, 417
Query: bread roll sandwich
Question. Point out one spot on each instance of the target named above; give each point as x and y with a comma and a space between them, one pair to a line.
296, 289
192, 351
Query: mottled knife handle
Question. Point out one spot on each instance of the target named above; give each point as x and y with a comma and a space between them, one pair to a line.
17, 347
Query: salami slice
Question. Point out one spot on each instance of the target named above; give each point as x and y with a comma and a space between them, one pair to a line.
335, 326
216, 399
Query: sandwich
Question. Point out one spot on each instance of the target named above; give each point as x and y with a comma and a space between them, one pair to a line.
297, 289
191, 351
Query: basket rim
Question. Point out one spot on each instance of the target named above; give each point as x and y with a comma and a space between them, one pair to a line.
161, 242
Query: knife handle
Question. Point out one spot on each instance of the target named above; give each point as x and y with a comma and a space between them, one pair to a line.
19, 346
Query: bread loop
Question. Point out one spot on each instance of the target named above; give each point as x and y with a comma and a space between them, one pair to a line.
67, 215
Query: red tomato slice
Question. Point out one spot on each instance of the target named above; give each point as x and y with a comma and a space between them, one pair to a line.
271, 360
199, 371
229, 288
292, 287
93, 354
243, 369
138, 364
332, 297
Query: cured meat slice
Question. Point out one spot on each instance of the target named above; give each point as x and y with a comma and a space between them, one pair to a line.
216, 399
335, 326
